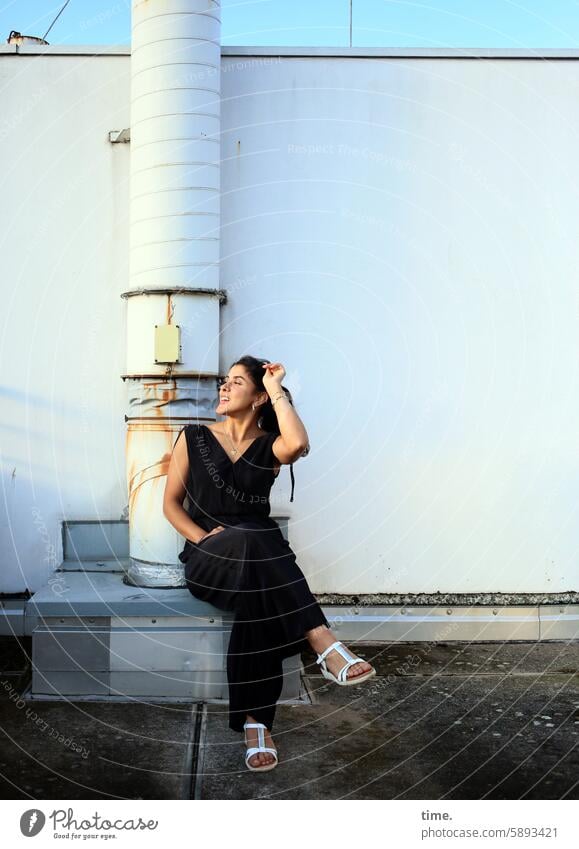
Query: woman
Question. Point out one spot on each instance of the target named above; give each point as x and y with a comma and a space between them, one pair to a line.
235, 555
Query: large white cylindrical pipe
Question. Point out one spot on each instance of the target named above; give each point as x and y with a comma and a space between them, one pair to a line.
173, 258
175, 112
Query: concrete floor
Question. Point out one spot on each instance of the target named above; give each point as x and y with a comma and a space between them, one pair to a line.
443, 721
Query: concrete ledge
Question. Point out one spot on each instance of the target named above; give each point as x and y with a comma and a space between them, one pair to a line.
91, 594
86, 594
473, 599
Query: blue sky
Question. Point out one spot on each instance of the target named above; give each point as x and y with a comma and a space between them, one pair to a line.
388, 23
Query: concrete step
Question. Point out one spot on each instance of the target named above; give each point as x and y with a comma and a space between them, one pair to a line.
93, 635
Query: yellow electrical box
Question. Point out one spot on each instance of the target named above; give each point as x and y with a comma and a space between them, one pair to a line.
167, 343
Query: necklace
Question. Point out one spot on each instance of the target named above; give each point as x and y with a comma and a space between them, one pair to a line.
235, 449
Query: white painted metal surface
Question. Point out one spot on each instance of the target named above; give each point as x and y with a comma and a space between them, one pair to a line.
154, 544
399, 230
408, 231
197, 317
173, 244
175, 143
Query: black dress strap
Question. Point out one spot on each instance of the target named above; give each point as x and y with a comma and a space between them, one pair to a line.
179, 434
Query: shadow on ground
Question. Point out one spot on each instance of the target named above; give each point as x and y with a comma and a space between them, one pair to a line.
450, 721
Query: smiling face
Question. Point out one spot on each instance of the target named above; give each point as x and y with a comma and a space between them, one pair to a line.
237, 392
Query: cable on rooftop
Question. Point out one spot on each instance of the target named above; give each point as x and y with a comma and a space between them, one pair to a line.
55, 20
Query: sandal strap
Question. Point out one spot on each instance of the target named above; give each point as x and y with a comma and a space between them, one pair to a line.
326, 652
261, 729
343, 673
350, 659
253, 750
341, 648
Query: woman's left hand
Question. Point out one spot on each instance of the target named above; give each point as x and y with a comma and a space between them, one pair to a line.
273, 376
216, 530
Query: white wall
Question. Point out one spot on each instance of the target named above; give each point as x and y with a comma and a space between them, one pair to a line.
63, 238
399, 232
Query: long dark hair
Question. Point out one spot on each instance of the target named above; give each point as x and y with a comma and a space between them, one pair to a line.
267, 419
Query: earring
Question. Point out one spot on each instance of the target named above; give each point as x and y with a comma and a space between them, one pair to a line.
253, 406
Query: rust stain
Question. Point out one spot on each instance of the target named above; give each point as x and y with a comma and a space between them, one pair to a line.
152, 473
143, 481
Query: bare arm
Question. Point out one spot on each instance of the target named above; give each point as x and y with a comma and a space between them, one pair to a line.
175, 492
293, 442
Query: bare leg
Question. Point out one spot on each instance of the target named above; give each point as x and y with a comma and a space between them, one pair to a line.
260, 758
320, 638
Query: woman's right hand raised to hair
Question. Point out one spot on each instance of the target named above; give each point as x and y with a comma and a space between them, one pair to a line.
273, 375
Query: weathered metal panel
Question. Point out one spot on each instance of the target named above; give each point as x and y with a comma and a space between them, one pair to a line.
154, 650
434, 623
202, 684
60, 683
96, 539
71, 650
559, 622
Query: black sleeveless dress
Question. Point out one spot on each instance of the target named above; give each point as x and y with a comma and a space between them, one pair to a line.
249, 568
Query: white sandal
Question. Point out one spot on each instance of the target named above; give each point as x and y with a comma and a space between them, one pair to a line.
351, 659
253, 750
